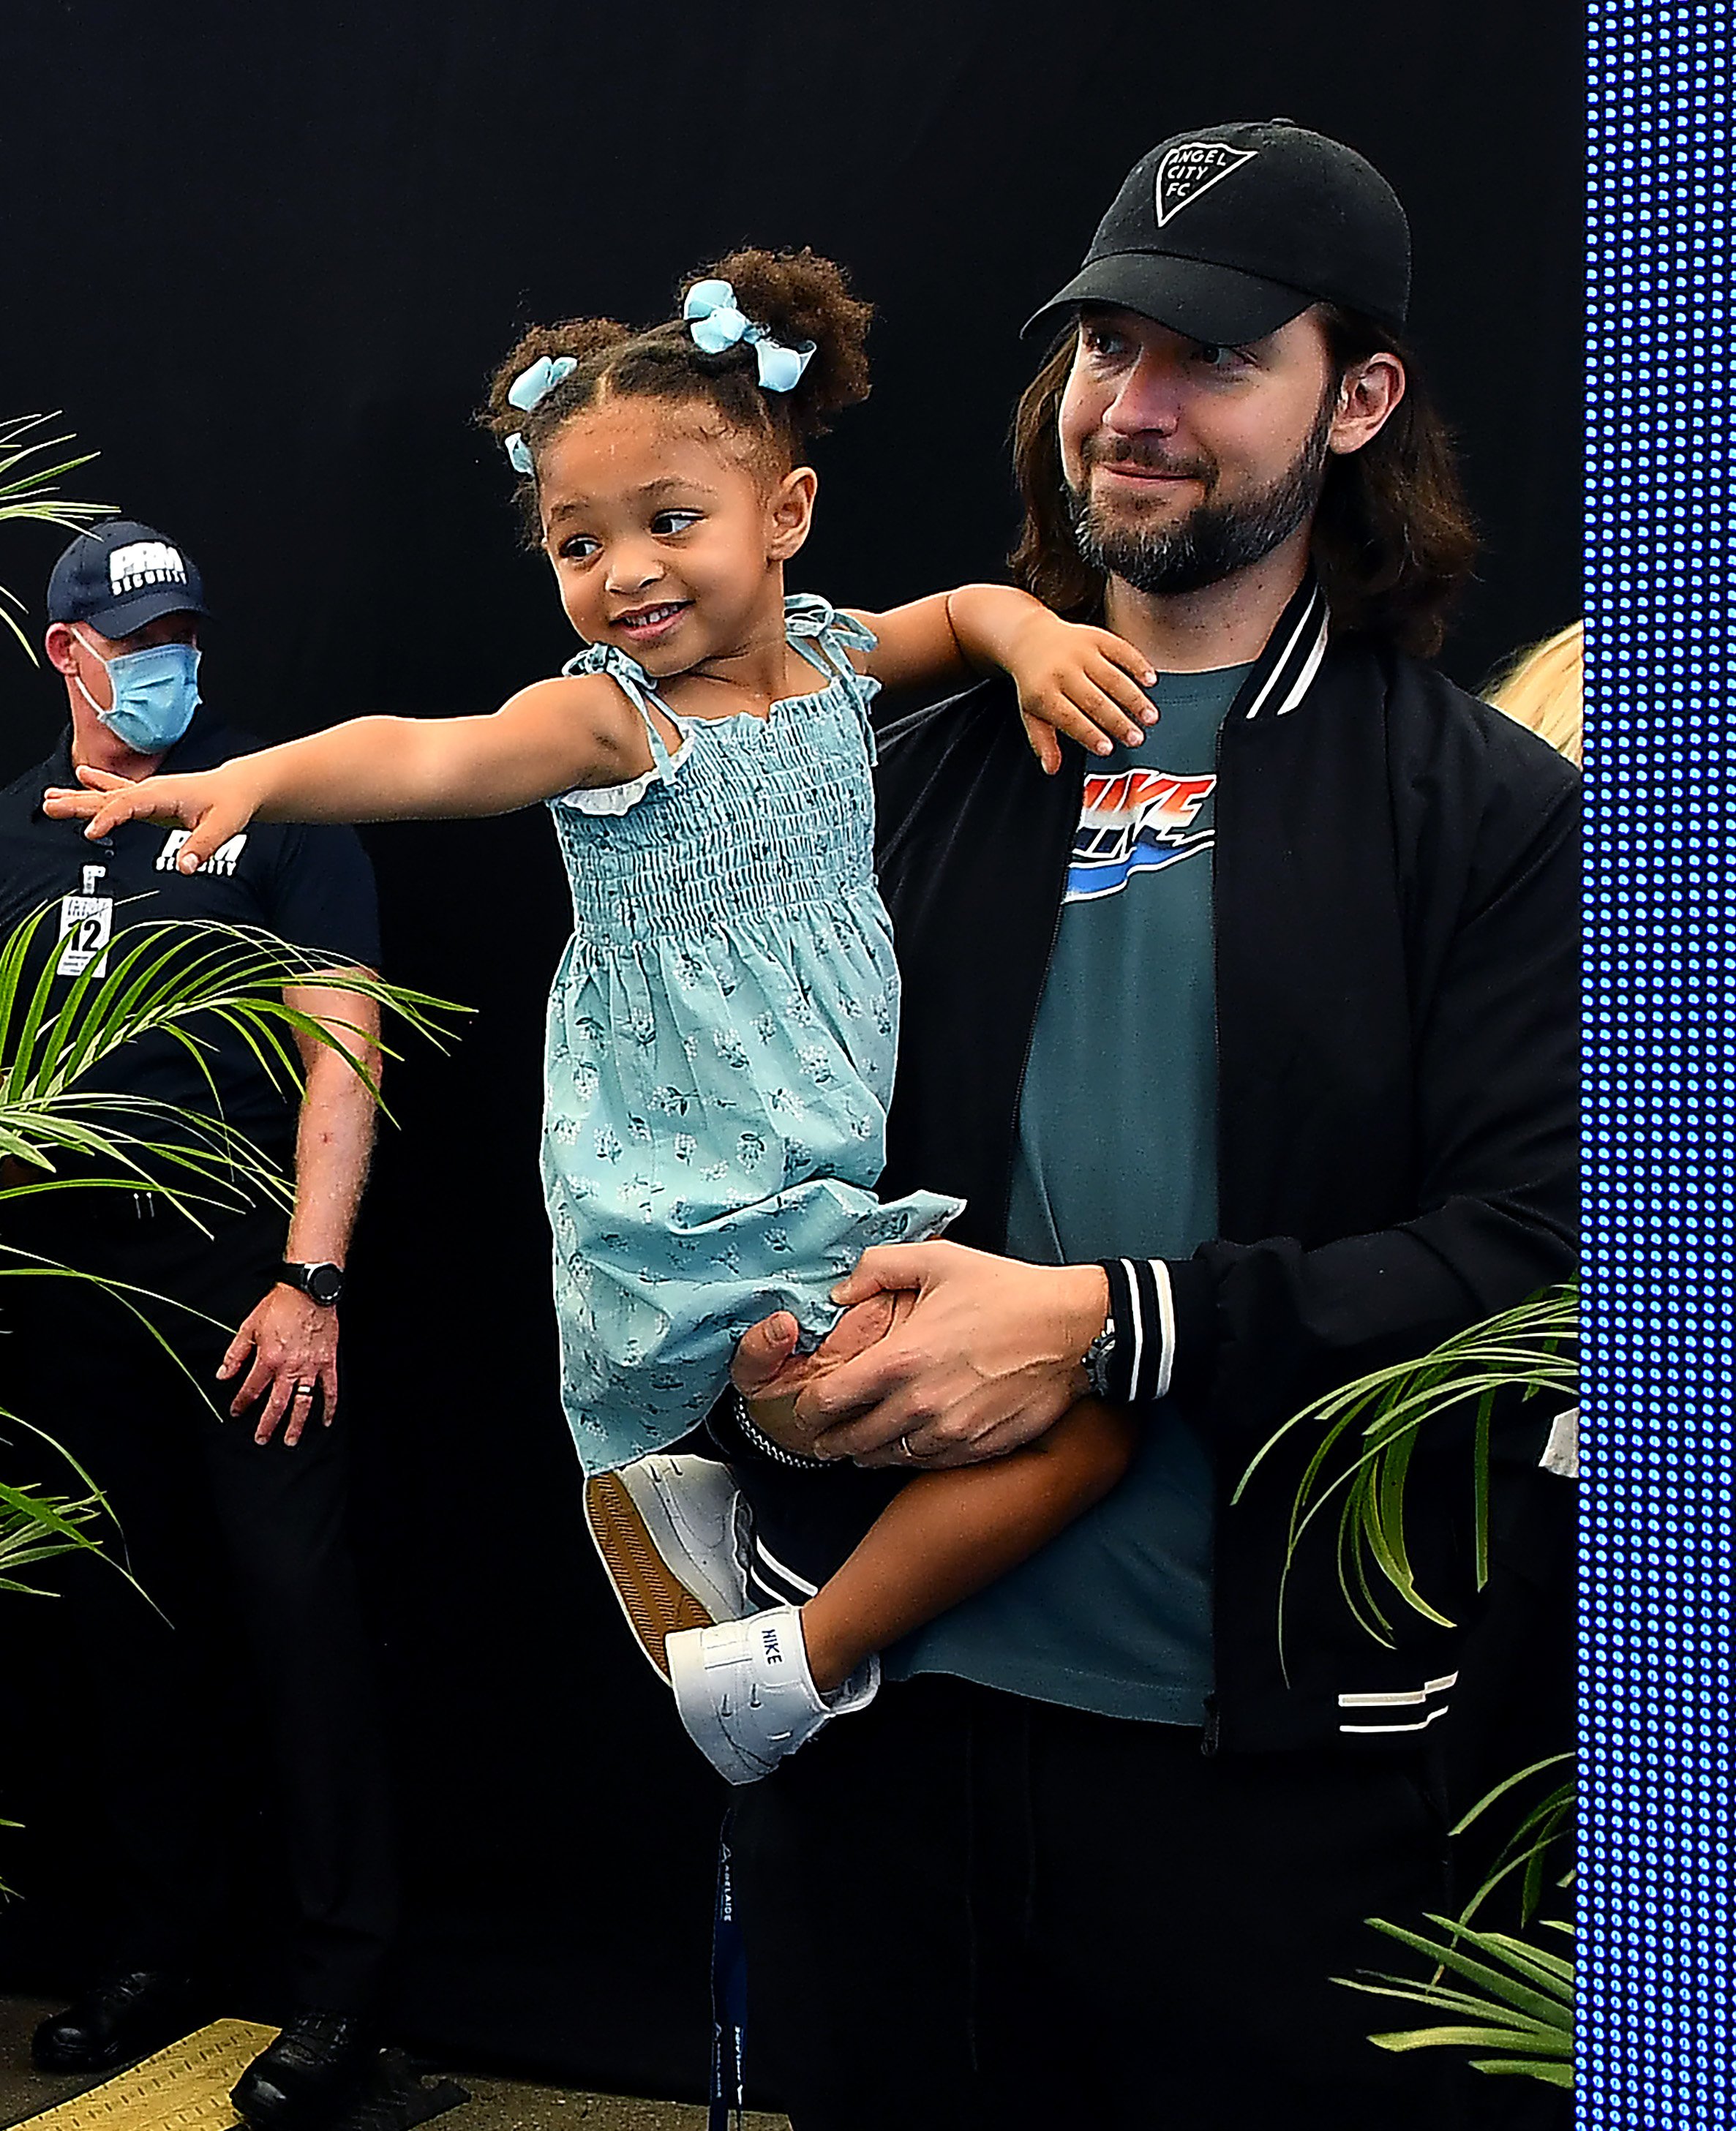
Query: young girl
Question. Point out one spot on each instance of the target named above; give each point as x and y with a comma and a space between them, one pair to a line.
722, 1027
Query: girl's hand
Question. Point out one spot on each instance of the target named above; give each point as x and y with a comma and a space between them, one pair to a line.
212, 805
989, 1359
770, 1374
1075, 679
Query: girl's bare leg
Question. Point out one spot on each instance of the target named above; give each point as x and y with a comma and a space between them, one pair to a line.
947, 1535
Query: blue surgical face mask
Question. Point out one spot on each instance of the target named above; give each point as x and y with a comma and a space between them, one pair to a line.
155, 693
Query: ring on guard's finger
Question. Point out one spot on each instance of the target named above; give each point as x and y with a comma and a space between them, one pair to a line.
304, 1391
910, 1456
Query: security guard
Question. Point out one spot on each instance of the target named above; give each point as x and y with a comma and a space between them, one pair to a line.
240, 1518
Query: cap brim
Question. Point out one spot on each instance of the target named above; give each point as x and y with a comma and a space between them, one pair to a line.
1216, 303
124, 616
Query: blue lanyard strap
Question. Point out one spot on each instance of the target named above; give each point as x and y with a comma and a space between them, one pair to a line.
729, 1996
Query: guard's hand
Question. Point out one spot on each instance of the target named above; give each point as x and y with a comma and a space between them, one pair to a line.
212, 805
292, 1344
1085, 682
989, 1356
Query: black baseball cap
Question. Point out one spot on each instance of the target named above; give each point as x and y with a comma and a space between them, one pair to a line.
122, 576
1226, 233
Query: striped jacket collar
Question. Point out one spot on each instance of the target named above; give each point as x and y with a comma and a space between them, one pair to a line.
1285, 670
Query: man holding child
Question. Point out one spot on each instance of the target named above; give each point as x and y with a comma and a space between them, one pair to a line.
1252, 1048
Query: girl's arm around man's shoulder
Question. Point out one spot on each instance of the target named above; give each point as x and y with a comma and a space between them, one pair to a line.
1071, 678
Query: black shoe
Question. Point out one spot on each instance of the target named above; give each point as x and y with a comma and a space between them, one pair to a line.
116, 2023
315, 2066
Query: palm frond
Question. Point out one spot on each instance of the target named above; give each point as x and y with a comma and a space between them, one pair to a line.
33, 494
1527, 1850
1518, 2007
36, 1525
183, 979
1511, 1996
1532, 1349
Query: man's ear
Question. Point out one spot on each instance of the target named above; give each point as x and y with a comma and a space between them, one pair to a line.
790, 514
1367, 395
58, 644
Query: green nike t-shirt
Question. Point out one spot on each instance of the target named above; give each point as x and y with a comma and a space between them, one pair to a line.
1117, 1157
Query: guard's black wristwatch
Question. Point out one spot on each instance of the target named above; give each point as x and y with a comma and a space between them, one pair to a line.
322, 1284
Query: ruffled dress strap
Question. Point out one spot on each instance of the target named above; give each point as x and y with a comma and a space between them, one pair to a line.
635, 683
809, 621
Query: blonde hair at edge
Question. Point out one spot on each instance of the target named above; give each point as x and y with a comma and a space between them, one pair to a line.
1545, 689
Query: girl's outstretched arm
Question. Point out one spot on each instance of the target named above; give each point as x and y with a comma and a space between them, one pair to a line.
1071, 678
549, 738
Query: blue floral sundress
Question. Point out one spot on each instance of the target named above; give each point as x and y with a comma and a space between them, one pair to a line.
722, 1035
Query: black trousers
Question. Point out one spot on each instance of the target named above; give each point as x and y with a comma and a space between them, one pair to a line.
806, 1520
963, 1909
243, 1547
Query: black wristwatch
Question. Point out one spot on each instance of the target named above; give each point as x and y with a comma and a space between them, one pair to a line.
322, 1284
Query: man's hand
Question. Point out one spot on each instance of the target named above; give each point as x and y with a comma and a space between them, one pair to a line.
212, 805
771, 1375
988, 1356
293, 1343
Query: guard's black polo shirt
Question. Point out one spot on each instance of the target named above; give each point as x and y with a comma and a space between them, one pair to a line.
310, 885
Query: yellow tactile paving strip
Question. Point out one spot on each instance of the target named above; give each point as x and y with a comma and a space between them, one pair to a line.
183, 2088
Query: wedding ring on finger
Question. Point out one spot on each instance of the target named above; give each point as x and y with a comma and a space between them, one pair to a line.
910, 1456
304, 1391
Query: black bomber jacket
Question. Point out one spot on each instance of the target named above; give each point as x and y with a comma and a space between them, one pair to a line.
1395, 901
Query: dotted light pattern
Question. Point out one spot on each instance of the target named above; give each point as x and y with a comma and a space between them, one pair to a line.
1658, 1896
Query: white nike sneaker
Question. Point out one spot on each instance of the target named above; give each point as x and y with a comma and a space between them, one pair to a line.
670, 1532
744, 1693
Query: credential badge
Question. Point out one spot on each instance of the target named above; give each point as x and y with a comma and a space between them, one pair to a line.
1192, 168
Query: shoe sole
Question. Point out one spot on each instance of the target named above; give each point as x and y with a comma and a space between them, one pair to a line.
654, 1600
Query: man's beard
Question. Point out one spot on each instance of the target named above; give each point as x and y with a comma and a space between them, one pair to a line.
1215, 539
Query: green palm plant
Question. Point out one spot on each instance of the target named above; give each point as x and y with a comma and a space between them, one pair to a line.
32, 492
181, 980
1518, 2010
1510, 1999
34, 1527
58, 1132
1531, 1350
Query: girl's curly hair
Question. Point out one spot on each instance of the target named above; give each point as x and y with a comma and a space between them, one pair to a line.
796, 295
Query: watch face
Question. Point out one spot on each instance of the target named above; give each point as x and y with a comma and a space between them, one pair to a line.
325, 1284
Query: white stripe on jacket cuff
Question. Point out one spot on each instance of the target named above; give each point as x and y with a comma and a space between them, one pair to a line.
1142, 1305
1167, 1319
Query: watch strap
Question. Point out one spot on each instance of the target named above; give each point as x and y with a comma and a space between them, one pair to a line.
294, 1274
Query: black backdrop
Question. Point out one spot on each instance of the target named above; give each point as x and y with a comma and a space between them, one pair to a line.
263, 258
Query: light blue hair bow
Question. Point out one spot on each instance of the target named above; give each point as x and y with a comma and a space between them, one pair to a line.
531, 386
535, 382
715, 323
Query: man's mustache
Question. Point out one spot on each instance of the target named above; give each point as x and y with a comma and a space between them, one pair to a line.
1129, 451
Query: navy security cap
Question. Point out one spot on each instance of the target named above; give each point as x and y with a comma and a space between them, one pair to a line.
120, 576
1227, 232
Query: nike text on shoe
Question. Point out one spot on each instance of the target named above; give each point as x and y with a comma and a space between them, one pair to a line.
744, 1693
666, 1528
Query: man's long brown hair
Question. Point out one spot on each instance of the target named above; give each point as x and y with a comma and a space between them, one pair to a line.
1394, 538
